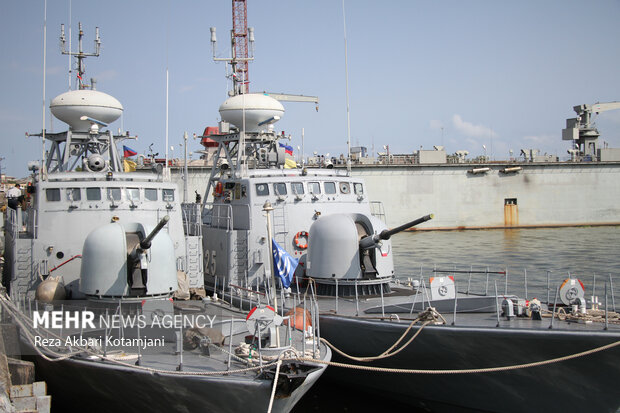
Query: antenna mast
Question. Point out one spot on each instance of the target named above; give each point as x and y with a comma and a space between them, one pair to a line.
241, 47
241, 37
80, 55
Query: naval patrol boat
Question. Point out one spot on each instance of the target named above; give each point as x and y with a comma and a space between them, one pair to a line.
424, 342
96, 266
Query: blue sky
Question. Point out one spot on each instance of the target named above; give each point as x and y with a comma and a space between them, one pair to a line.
495, 73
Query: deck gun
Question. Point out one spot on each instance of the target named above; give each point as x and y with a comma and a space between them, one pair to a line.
128, 260
366, 244
371, 241
137, 262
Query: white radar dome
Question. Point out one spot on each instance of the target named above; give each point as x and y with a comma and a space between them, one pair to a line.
260, 110
70, 106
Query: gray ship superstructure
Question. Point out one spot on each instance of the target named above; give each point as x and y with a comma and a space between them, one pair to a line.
93, 261
249, 175
82, 185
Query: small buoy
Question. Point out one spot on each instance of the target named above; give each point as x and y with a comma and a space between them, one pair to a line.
297, 316
50, 289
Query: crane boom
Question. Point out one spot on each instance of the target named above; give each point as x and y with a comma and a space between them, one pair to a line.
602, 107
286, 97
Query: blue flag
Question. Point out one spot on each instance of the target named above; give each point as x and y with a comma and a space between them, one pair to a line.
284, 265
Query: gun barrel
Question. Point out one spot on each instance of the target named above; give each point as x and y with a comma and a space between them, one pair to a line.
371, 240
388, 233
146, 242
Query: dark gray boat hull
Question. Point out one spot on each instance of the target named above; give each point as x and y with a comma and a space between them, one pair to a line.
587, 383
101, 387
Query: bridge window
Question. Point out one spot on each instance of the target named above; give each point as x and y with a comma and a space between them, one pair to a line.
345, 188
297, 188
167, 195
358, 188
314, 188
279, 188
150, 194
330, 187
133, 194
93, 194
52, 194
262, 189
74, 194
114, 194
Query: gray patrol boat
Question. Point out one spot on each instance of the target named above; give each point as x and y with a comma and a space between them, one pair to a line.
423, 341
99, 266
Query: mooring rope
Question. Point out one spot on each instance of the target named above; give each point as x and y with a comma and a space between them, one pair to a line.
466, 371
275, 384
430, 315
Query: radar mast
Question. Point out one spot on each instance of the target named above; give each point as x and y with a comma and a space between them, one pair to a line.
84, 146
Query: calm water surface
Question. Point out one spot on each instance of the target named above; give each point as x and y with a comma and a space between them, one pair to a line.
591, 254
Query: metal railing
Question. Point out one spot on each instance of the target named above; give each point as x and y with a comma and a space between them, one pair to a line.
192, 220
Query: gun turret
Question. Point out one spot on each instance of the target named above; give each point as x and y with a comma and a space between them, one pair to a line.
371, 241
145, 244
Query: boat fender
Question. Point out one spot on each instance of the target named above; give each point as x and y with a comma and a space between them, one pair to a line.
296, 316
51, 289
301, 244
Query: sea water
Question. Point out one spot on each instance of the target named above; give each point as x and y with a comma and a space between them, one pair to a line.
590, 254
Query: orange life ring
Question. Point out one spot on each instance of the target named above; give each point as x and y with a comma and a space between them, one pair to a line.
301, 234
219, 188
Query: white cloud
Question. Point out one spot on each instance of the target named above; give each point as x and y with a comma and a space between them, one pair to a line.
471, 130
436, 124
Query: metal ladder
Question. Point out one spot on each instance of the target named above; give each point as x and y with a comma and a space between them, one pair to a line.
280, 227
240, 256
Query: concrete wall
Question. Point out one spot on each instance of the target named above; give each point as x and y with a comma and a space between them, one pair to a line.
547, 194
552, 194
